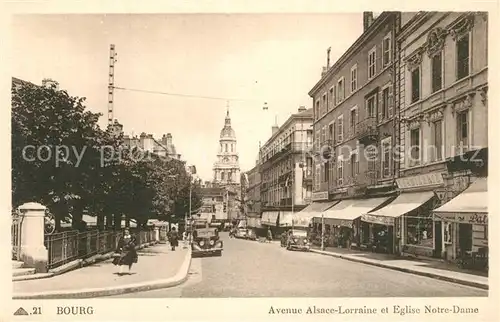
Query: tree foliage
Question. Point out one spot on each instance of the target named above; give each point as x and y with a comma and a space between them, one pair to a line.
62, 159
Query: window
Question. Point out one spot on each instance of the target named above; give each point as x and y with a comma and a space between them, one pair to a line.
419, 229
340, 171
463, 57
316, 177
316, 110
353, 119
232, 147
341, 90
225, 147
316, 140
340, 128
331, 131
415, 147
324, 107
223, 176
437, 128
330, 99
372, 55
354, 78
370, 107
354, 164
386, 157
371, 157
327, 171
415, 85
323, 134
385, 103
463, 130
437, 72
386, 57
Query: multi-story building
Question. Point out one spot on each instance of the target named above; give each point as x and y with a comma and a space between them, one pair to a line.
355, 127
285, 168
147, 142
442, 83
214, 205
253, 191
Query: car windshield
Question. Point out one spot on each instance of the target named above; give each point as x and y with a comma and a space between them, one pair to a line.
299, 233
205, 232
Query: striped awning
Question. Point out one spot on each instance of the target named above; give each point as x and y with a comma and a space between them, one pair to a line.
270, 218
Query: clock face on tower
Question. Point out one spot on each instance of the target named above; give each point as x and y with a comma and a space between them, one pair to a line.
226, 159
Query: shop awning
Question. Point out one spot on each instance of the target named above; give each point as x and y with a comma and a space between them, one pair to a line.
270, 218
254, 222
343, 213
304, 217
403, 204
471, 206
286, 219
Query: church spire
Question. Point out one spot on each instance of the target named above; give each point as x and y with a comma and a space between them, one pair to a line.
228, 119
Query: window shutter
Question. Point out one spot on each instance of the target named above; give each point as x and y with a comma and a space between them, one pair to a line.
391, 103
334, 95
378, 106
357, 118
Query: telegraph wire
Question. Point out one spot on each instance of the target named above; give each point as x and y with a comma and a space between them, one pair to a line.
186, 95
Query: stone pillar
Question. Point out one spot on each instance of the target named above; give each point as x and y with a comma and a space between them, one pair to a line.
33, 251
157, 234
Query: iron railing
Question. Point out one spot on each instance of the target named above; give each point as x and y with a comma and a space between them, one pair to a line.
15, 230
68, 246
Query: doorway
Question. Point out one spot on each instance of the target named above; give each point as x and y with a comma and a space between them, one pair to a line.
464, 238
438, 238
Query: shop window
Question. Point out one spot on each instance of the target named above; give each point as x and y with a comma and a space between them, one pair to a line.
463, 63
419, 230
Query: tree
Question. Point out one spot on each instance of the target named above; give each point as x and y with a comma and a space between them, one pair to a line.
55, 150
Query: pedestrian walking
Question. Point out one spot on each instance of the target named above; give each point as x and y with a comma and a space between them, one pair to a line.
184, 239
125, 254
173, 238
269, 235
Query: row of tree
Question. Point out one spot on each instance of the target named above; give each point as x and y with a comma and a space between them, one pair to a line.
62, 159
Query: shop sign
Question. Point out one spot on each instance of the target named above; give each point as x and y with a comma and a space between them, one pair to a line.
466, 218
338, 222
382, 220
323, 195
423, 180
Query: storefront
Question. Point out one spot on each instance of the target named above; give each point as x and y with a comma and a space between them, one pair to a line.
285, 219
382, 228
464, 223
418, 234
270, 221
305, 217
341, 227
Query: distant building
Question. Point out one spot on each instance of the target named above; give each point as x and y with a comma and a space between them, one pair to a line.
227, 168
216, 204
147, 142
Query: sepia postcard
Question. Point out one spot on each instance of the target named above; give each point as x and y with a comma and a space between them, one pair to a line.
268, 162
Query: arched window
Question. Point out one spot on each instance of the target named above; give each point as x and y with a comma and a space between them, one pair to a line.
232, 147
225, 146
222, 176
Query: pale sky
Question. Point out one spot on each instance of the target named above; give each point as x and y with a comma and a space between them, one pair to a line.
252, 58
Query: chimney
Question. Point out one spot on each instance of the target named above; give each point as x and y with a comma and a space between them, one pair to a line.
367, 20
275, 129
169, 139
328, 58
302, 109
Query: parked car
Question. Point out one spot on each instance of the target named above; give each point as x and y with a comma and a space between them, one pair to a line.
206, 241
241, 233
298, 240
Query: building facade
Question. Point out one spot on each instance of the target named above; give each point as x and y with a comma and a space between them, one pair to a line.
253, 191
285, 163
163, 147
214, 205
227, 168
442, 78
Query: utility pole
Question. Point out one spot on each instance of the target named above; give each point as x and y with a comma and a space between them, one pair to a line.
111, 82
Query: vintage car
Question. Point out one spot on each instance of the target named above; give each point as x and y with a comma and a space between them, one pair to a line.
298, 240
206, 241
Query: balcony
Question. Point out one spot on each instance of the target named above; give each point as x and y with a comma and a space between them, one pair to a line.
367, 131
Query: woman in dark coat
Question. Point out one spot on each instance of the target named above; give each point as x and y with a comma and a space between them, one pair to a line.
173, 238
126, 251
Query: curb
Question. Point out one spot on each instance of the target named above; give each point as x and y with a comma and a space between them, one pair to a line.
177, 279
406, 270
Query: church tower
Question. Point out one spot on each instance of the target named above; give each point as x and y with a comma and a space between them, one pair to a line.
227, 167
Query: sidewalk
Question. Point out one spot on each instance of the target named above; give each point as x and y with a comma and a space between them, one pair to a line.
434, 269
155, 264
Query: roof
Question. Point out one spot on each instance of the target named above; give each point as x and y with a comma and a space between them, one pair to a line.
308, 114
